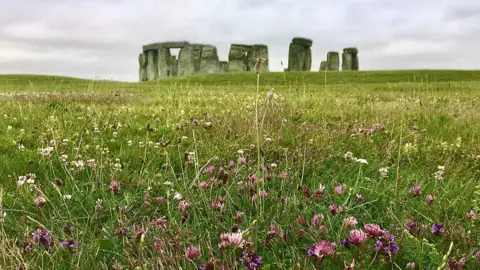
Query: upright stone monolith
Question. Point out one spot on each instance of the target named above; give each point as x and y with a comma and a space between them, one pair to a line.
186, 61
323, 65
209, 62
174, 66
300, 54
296, 57
333, 61
152, 66
142, 71
165, 65
350, 59
237, 58
258, 51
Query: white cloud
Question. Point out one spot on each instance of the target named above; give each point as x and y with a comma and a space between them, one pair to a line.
103, 37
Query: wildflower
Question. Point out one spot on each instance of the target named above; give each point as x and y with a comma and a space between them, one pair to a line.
192, 252
361, 161
251, 260
209, 169
348, 155
383, 171
416, 190
46, 151
68, 229
40, 201
67, 197
283, 175
429, 199
300, 220
357, 237
373, 230
441, 168
386, 244
182, 206
456, 265
203, 185
415, 228
471, 215
231, 240
316, 219
218, 203
350, 222
114, 186
177, 196
139, 233
439, 176
323, 229
195, 122
349, 267
437, 228
71, 244
321, 250
339, 188
333, 209
410, 266
43, 237
239, 217
360, 197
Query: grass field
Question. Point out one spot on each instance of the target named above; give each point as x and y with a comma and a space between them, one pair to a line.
317, 171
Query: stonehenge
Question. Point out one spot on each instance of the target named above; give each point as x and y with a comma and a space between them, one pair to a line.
350, 59
300, 54
243, 57
156, 61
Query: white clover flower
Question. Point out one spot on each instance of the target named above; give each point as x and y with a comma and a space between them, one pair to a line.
442, 168
362, 161
240, 152
383, 171
67, 197
177, 196
348, 155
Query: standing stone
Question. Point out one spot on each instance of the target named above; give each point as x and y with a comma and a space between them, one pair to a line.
223, 66
209, 60
142, 71
237, 59
259, 51
323, 65
197, 56
296, 57
164, 63
300, 54
152, 66
174, 66
333, 61
186, 61
350, 59
307, 63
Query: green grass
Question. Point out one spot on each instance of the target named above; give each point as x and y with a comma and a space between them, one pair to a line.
120, 131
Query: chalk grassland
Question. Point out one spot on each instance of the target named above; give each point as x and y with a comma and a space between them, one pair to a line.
117, 175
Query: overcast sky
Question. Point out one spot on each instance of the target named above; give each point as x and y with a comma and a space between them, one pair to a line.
102, 38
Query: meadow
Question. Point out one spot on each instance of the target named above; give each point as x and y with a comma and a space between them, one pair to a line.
296, 170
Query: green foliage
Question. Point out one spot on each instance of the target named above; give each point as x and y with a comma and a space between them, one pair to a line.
421, 252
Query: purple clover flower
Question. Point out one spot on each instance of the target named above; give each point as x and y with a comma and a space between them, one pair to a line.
437, 229
251, 260
70, 244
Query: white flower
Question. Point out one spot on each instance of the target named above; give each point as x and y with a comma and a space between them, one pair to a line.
268, 139
442, 168
362, 161
67, 197
178, 196
168, 183
240, 152
273, 165
348, 155
46, 151
383, 171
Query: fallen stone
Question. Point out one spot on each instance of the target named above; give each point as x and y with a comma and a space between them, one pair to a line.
168, 45
152, 66
186, 61
142, 71
305, 42
333, 61
296, 57
209, 60
223, 66
323, 65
